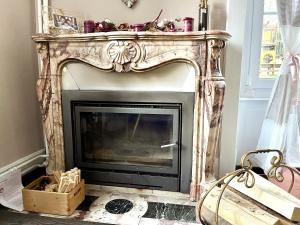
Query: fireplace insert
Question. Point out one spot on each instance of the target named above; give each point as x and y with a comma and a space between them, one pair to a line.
133, 139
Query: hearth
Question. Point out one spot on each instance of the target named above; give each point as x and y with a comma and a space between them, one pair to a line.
135, 139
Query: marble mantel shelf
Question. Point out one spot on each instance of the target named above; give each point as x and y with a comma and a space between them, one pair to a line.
139, 52
128, 35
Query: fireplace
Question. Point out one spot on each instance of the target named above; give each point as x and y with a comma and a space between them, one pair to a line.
135, 139
137, 52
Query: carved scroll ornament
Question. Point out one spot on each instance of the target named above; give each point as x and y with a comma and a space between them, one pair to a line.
246, 175
129, 3
122, 53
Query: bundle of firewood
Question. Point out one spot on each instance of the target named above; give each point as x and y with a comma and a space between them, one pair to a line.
64, 182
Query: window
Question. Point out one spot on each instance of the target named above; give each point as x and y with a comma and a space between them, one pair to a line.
263, 49
271, 53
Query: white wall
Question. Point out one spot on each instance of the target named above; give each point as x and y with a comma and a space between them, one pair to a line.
236, 19
143, 11
20, 120
251, 115
115, 10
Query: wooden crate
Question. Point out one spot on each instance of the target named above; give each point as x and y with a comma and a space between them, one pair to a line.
52, 202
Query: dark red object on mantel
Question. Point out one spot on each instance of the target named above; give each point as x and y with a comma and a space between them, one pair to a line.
123, 27
172, 27
89, 26
138, 27
104, 26
188, 24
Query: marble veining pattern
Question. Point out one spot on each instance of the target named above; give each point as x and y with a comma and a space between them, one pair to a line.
168, 211
139, 51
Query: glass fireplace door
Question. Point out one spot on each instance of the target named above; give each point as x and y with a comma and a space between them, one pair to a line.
122, 137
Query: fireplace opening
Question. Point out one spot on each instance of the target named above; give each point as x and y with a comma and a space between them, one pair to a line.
134, 139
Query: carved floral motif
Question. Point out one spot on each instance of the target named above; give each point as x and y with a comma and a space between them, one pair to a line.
216, 48
121, 53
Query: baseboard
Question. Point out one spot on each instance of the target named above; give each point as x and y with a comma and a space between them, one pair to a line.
27, 163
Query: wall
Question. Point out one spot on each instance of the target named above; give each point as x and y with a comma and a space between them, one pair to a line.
143, 11
251, 115
236, 20
20, 123
116, 10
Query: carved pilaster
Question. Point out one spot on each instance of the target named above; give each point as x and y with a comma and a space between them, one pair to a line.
214, 96
44, 94
199, 141
43, 52
207, 120
215, 48
43, 85
56, 129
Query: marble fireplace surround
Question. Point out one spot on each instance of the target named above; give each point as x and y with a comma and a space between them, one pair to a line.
139, 52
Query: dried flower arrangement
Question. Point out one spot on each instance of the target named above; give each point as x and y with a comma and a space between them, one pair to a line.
59, 21
154, 25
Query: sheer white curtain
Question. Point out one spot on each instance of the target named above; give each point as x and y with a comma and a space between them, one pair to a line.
280, 129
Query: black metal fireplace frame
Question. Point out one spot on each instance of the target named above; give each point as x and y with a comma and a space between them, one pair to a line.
136, 108
171, 182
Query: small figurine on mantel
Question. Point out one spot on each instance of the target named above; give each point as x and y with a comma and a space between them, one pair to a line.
105, 26
167, 25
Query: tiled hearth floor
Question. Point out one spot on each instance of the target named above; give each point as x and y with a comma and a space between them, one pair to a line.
148, 207
127, 206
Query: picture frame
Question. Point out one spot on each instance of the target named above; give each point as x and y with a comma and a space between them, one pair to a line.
65, 22
60, 21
